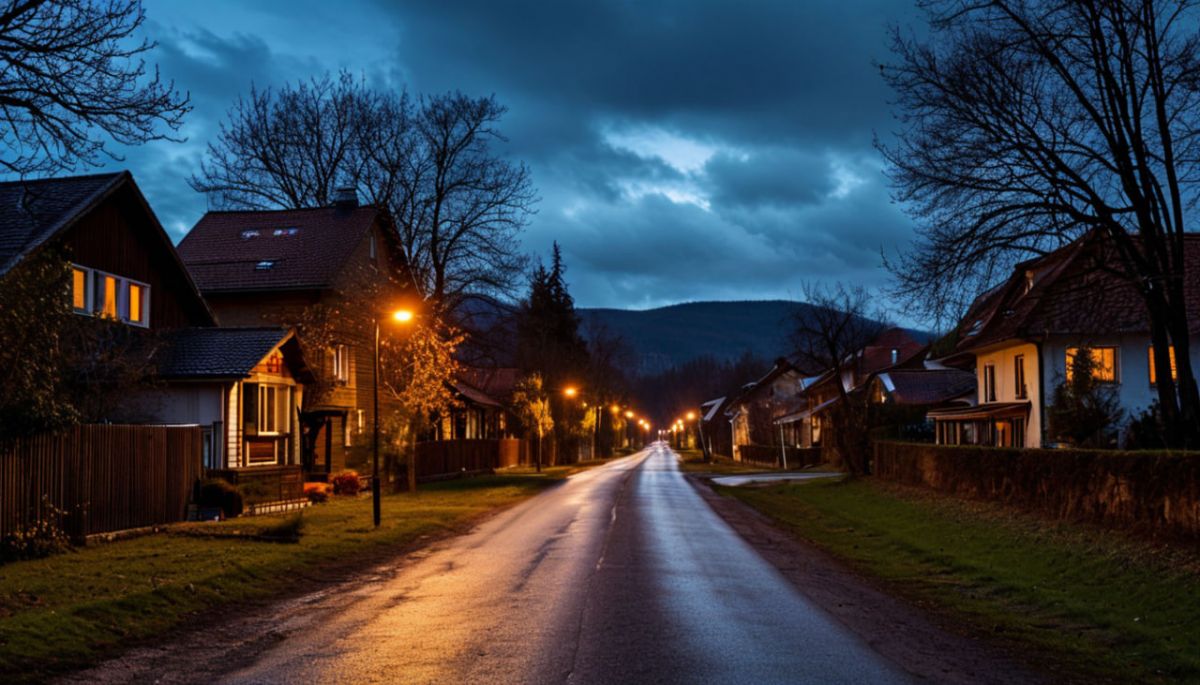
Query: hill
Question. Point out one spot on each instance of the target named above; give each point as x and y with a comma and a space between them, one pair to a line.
669, 336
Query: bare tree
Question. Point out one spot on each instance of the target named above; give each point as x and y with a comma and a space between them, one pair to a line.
458, 205
72, 79
831, 335
1028, 123
290, 148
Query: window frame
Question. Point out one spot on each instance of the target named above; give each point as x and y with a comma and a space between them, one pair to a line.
1020, 389
123, 305
1070, 352
989, 382
341, 364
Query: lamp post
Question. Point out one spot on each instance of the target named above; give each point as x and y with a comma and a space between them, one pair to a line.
402, 316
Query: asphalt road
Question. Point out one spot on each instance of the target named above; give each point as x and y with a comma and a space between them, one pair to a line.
621, 575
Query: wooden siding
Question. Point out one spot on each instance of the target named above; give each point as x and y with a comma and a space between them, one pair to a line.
105, 477
120, 238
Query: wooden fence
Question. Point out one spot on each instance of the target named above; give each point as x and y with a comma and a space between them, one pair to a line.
442, 458
103, 477
769, 456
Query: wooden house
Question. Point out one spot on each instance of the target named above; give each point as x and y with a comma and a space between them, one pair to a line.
326, 271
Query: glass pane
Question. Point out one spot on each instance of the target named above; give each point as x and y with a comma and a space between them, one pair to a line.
106, 296
79, 289
135, 302
268, 410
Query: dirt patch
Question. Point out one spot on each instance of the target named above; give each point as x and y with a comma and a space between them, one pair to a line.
927, 645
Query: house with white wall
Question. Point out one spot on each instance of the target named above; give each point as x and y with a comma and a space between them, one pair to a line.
1021, 335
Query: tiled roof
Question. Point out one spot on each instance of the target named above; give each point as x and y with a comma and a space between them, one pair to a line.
217, 352
1071, 293
32, 212
497, 382
273, 250
928, 386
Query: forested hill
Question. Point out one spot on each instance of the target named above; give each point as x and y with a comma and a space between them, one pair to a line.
668, 336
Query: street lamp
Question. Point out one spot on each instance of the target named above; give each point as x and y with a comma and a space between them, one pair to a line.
401, 316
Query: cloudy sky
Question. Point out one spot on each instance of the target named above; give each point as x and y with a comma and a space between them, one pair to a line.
683, 150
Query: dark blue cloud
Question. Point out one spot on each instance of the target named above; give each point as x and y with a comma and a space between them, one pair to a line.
683, 149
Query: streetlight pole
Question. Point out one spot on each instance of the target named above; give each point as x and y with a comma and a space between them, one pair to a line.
375, 487
403, 316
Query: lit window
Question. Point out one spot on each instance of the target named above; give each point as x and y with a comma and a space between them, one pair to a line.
79, 289
1154, 374
283, 232
264, 265
252, 233
1104, 363
107, 295
137, 304
341, 364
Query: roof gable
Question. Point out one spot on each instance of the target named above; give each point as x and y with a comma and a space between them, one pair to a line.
33, 212
212, 353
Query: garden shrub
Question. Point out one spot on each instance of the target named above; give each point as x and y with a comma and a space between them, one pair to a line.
347, 483
317, 493
41, 539
220, 493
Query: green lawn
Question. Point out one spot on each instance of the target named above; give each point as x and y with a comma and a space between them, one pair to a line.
70, 610
1099, 603
692, 461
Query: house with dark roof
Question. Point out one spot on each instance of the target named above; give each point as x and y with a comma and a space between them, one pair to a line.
326, 271
240, 385
752, 411
1020, 336
483, 408
894, 348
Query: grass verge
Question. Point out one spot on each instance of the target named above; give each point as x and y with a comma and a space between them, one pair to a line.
69, 611
1097, 602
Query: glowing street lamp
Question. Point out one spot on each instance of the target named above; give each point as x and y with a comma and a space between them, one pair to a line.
403, 317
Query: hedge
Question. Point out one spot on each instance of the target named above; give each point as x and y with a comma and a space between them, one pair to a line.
1146, 491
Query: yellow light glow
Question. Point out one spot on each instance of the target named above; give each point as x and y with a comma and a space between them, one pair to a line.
629, 415
402, 315
570, 391
691, 416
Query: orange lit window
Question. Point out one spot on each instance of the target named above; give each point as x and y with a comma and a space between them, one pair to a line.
106, 291
79, 294
1171, 354
1104, 363
137, 304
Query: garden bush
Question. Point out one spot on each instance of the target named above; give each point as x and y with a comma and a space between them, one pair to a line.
222, 494
346, 483
317, 493
41, 539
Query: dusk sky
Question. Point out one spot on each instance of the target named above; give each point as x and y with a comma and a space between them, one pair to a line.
683, 150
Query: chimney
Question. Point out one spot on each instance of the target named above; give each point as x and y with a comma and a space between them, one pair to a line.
345, 197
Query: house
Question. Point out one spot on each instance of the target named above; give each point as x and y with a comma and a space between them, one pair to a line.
247, 384
482, 411
894, 348
1020, 336
123, 265
240, 386
751, 413
328, 272
715, 429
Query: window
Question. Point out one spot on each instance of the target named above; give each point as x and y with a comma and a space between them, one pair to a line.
362, 422
136, 311
975, 327
341, 364
1104, 361
347, 440
1028, 281
816, 431
372, 245
247, 235
1019, 377
285, 232
266, 409
989, 383
1153, 373
264, 265
895, 355
79, 290
113, 297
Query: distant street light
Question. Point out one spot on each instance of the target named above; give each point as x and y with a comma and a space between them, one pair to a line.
402, 316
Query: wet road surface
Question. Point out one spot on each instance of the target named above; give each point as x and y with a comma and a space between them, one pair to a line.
622, 574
